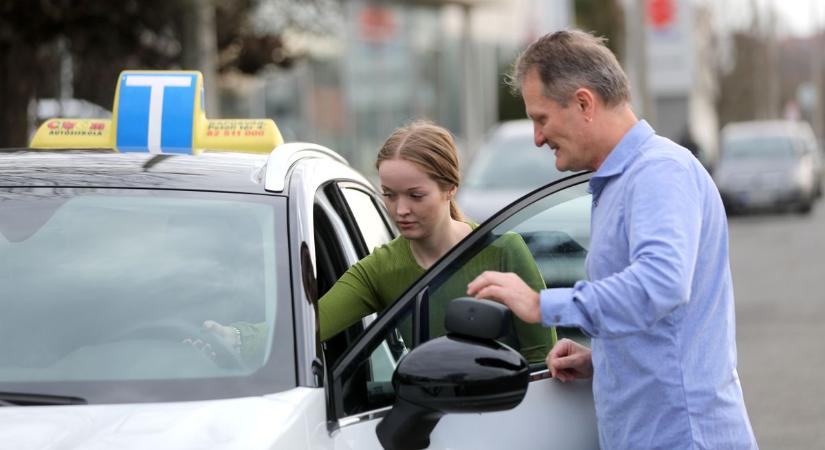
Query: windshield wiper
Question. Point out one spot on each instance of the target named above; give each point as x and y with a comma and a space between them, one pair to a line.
25, 399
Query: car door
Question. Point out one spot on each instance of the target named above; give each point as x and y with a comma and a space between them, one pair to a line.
554, 223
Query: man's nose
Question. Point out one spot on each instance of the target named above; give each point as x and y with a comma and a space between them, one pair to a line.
538, 136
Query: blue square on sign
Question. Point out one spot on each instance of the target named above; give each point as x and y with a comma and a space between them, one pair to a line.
156, 113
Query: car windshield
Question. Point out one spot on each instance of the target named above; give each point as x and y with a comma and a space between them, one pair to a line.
773, 148
103, 291
512, 162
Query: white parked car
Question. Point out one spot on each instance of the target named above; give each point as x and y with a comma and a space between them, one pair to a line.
110, 261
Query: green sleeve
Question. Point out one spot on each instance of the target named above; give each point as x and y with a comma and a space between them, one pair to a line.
253, 341
352, 297
535, 339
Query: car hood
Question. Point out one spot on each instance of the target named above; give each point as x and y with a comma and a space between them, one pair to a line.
755, 167
480, 204
276, 420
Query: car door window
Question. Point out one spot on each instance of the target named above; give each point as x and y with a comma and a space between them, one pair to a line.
552, 236
372, 230
368, 216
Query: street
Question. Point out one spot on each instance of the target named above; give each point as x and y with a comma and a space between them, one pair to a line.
777, 263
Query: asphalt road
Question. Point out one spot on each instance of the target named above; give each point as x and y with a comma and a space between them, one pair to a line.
778, 264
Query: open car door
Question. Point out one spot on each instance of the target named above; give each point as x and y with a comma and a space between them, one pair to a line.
416, 387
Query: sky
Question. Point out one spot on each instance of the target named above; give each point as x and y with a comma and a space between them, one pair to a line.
801, 17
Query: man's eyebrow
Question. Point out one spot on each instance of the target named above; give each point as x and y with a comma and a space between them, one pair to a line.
535, 116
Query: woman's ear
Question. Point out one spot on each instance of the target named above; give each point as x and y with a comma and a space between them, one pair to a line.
451, 192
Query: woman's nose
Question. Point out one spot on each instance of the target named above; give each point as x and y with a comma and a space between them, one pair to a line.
401, 208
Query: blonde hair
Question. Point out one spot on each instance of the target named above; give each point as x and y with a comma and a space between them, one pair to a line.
432, 149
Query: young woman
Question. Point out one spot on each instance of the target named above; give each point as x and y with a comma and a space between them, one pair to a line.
419, 174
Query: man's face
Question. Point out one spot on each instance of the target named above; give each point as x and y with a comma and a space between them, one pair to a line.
560, 128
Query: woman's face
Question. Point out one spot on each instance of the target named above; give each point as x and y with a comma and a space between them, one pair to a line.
414, 200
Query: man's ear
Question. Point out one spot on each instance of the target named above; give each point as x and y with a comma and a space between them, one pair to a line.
586, 102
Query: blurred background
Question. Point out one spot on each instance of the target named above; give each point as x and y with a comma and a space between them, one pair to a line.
345, 73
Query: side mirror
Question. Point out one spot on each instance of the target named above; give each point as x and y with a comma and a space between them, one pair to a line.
466, 371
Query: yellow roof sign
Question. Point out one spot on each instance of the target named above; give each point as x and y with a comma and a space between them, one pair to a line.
160, 112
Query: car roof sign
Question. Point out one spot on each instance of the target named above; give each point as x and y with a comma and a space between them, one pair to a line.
160, 112
154, 112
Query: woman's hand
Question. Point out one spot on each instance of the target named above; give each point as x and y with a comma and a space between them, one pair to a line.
229, 336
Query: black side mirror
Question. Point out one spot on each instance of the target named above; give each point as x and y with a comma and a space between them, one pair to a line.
466, 371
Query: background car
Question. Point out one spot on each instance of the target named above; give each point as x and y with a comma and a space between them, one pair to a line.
769, 164
110, 262
506, 166
509, 165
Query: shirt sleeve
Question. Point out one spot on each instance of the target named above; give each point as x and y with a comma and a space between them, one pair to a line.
663, 216
352, 297
535, 340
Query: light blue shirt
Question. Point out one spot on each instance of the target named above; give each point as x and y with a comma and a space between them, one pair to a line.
658, 303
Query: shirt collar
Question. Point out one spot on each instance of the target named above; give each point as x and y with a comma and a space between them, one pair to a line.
622, 154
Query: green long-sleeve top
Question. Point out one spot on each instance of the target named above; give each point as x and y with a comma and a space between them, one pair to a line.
373, 283
376, 281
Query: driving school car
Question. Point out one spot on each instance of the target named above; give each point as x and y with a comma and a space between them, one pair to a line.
120, 237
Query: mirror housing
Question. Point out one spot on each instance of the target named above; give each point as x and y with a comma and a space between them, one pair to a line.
465, 371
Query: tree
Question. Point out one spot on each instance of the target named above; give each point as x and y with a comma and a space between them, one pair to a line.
605, 18
103, 38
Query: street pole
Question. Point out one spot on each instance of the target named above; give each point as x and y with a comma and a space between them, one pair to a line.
817, 68
200, 49
636, 59
470, 111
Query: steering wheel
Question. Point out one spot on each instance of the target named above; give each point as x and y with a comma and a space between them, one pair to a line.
178, 330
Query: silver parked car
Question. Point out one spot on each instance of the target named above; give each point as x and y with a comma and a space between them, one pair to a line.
769, 164
507, 165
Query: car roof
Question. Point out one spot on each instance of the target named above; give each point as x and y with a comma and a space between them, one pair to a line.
758, 128
231, 172
512, 128
157, 141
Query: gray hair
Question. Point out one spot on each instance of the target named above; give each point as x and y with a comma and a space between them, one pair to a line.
569, 60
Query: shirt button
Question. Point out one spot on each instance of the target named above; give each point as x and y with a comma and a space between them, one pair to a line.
595, 203
557, 318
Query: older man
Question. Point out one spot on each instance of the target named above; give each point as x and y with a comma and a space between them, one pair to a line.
659, 300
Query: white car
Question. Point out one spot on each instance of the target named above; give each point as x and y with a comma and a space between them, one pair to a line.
110, 261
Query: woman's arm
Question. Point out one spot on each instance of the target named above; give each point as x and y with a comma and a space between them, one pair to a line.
535, 340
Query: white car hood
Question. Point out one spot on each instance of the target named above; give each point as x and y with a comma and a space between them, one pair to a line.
276, 420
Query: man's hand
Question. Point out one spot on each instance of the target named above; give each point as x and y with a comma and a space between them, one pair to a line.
510, 290
569, 360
